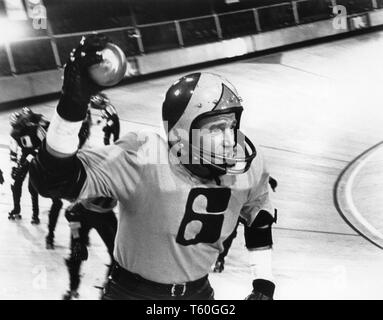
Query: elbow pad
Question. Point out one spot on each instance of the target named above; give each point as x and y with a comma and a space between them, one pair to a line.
55, 177
259, 233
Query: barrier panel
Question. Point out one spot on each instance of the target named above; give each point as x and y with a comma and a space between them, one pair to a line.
72, 16
314, 10
159, 37
198, 31
154, 11
276, 17
237, 24
356, 6
33, 55
153, 32
5, 69
220, 6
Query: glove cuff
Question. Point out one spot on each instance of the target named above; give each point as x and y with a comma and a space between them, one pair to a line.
265, 287
71, 109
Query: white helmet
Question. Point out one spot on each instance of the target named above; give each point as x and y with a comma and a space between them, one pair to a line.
195, 97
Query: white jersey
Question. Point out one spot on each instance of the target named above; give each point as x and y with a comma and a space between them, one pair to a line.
172, 224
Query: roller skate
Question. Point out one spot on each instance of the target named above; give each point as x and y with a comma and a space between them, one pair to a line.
70, 295
35, 220
14, 215
49, 241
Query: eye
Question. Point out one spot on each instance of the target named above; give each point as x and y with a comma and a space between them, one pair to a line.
217, 128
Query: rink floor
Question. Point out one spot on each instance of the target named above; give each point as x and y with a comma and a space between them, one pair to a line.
312, 111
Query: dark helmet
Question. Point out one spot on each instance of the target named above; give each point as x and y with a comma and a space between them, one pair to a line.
195, 97
28, 128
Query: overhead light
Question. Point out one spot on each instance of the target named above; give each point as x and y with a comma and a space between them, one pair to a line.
15, 10
11, 31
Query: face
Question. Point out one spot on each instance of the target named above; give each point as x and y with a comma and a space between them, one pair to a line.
217, 135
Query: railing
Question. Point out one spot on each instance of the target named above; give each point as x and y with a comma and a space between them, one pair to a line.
48, 49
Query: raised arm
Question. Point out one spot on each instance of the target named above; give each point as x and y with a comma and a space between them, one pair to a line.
56, 171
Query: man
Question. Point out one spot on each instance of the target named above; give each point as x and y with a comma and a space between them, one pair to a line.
83, 216
180, 199
28, 129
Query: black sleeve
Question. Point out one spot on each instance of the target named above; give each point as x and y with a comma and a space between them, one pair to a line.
55, 177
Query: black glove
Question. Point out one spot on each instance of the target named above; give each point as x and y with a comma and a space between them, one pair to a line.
1, 177
13, 156
74, 212
262, 290
77, 86
19, 172
273, 183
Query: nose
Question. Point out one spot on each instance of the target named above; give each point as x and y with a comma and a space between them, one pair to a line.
229, 140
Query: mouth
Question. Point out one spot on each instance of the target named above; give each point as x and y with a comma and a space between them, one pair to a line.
229, 157
230, 153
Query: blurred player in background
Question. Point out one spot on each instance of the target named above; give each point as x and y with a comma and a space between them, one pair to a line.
83, 216
94, 213
28, 129
109, 116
